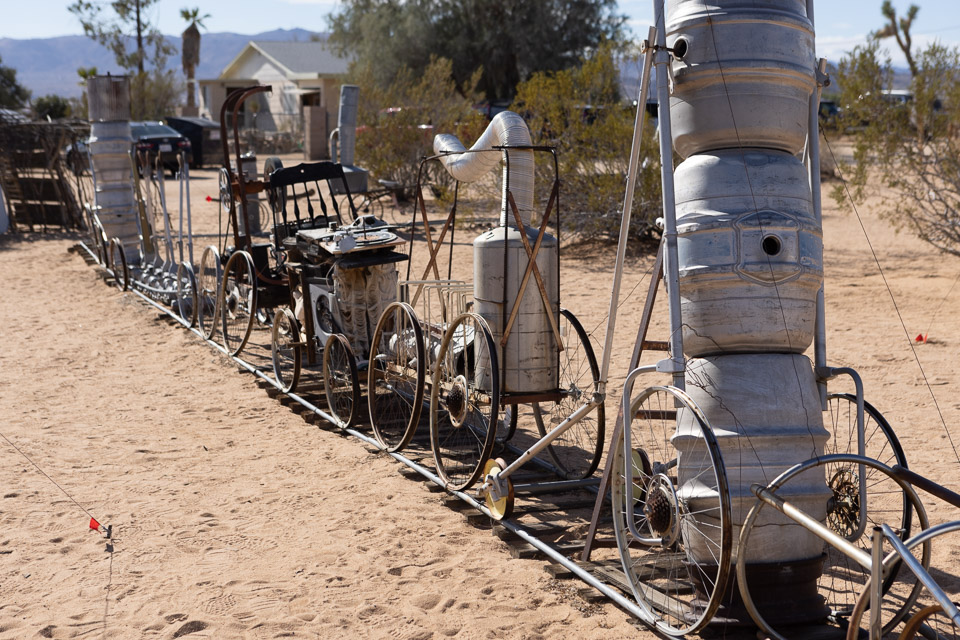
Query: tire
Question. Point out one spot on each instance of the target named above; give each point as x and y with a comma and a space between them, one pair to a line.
671, 518
285, 350
238, 302
395, 376
341, 382
464, 405
576, 452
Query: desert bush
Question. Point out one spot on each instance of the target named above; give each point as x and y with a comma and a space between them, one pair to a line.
580, 112
396, 123
911, 145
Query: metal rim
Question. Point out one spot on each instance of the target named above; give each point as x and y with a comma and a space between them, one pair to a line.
208, 291
121, 273
237, 301
187, 294
577, 452
843, 578
782, 479
395, 376
507, 424
461, 451
679, 593
285, 349
341, 381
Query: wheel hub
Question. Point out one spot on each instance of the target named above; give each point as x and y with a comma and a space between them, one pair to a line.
843, 512
457, 401
659, 510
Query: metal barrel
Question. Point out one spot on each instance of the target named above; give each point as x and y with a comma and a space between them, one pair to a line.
347, 122
529, 358
108, 98
750, 252
743, 74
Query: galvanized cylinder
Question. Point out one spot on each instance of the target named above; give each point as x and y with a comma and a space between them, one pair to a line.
750, 252
743, 74
108, 98
110, 146
347, 122
529, 359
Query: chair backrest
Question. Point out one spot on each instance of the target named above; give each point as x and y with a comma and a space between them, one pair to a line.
304, 174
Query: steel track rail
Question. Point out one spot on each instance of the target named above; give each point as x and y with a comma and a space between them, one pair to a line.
519, 530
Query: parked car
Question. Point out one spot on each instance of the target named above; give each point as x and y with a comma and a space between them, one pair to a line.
154, 139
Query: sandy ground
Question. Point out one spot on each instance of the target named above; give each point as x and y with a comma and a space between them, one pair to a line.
235, 518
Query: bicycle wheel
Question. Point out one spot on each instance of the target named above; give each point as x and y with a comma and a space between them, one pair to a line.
341, 382
395, 376
187, 294
237, 302
464, 401
208, 291
902, 587
842, 578
672, 516
285, 341
118, 264
576, 452
507, 424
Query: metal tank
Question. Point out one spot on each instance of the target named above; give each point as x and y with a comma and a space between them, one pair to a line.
750, 252
343, 141
529, 359
108, 98
743, 72
750, 261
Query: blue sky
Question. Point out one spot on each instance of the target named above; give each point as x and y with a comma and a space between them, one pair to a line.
840, 23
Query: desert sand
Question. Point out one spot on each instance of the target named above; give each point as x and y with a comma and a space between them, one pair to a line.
233, 517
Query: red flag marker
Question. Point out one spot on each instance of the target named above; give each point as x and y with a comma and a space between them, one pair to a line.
209, 199
919, 338
94, 524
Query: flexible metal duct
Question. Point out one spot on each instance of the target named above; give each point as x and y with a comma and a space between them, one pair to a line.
506, 129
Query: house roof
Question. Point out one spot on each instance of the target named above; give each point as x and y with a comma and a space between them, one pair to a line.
297, 60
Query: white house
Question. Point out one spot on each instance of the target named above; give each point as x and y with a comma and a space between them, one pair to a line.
306, 79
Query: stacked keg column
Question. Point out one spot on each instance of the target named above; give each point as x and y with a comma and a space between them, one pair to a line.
108, 98
749, 258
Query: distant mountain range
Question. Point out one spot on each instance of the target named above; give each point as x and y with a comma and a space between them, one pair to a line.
49, 65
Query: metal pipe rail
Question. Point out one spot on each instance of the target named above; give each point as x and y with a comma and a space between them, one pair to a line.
520, 531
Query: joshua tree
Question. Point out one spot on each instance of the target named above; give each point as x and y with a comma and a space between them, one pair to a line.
190, 51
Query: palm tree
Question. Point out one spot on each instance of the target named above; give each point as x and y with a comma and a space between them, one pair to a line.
190, 52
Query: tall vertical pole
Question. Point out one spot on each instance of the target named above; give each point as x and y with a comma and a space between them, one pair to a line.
813, 166
671, 272
632, 169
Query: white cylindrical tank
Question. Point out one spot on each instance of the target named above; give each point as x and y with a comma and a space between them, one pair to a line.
743, 73
750, 252
529, 360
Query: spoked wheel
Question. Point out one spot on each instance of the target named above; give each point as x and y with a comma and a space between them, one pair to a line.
118, 263
238, 301
464, 401
395, 376
187, 294
341, 381
208, 290
576, 453
931, 617
901, 589
843, 578
507, 424
100, 243
671, 511
285, 349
